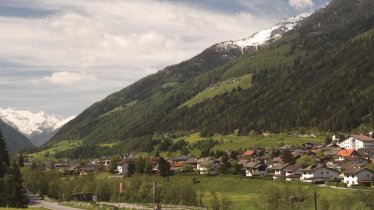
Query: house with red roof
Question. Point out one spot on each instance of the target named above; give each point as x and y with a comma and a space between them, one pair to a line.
345, 154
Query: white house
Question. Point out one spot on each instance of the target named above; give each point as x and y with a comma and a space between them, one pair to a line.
280, 171
317, 174
357, 142
123, 167
208, 165
255, 169
357, 176
293, 172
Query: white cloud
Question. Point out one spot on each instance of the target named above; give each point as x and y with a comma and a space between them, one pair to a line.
301, 4
112, 42
66, 78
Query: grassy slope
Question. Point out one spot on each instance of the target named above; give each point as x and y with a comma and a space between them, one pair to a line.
228, 85
233, 142
60, 146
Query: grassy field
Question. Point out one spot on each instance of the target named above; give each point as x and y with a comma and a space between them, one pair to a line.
60, 146
233, 142
245, 193
228, 85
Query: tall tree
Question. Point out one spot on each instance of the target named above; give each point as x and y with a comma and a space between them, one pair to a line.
10, 179
164, 167
4, 156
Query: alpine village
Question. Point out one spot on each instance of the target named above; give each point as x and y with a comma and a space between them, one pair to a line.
283, 119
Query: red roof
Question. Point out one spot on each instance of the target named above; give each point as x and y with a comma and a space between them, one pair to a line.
179, 164
248, 153
345, 152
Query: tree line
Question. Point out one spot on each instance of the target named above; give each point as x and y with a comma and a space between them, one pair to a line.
12, 193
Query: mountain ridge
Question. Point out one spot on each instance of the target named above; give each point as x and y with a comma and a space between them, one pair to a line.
15, 141
305, 79
38, 127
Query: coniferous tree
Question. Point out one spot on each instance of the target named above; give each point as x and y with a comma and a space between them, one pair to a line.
4, 164
10, 179
4, 156
164, 167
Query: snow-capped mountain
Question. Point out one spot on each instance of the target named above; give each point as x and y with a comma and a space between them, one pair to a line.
260, 38
38, 127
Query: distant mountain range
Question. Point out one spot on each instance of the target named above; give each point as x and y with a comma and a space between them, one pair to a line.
38, 127
304, 73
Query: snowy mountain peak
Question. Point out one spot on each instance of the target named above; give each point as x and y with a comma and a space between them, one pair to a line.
264, 36
33, 125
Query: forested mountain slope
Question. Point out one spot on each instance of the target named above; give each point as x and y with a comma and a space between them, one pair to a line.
319, 75
15, 141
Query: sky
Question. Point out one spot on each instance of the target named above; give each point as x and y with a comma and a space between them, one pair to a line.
61, 56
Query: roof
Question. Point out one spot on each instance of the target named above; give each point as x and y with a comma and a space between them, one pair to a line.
355, 170
250, 164
89, 167
313, 167
349, 166
205, 159
248, 153
179, 164
280, 166
345, 152
124, 161
292, 167
363, 138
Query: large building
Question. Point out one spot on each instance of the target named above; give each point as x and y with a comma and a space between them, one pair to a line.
357, 142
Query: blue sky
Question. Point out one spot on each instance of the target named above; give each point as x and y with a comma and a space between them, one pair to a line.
61, 56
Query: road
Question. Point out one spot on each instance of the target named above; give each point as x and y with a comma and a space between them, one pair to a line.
142, 207
36, 201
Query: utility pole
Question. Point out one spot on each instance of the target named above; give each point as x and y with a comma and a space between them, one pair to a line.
154, 192
315, 200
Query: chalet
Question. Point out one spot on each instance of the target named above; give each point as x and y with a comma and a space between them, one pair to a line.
88, 169
355, 176
207, 165
346, 153
280, 171
357, 142
318, 174
293, 172
190, 158
177, 166
255, 169
123, 167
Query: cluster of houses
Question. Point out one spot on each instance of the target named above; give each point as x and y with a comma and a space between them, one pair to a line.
344, 160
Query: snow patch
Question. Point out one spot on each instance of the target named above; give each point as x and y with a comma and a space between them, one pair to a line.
261, 37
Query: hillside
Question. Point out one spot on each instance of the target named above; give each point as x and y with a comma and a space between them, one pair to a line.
14, 140
317, 76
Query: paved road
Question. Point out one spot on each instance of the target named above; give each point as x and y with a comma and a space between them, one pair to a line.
36, 201
142, 207
344, 188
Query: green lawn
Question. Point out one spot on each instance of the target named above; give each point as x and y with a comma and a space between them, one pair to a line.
228, 85
60, 146
233, 142
245, 193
